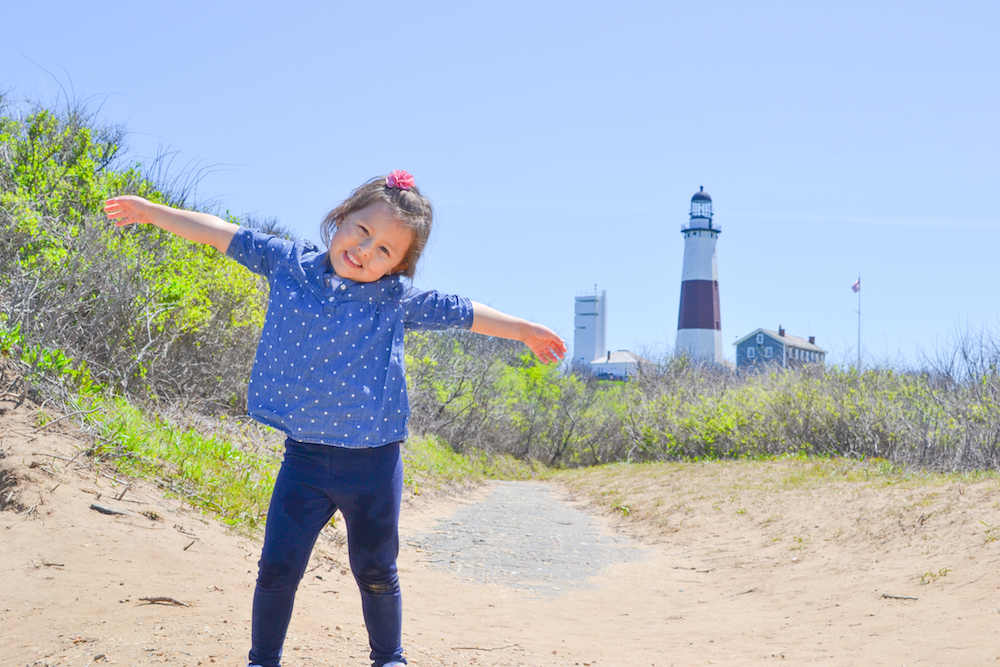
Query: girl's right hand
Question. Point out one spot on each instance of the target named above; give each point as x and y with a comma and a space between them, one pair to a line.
191, 225
128, 210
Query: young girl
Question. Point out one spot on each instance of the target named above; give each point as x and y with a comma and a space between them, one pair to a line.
329, 374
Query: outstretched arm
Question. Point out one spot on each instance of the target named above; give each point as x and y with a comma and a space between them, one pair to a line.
544, 342
198, 227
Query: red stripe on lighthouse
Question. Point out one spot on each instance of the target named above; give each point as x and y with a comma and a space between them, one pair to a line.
699, 305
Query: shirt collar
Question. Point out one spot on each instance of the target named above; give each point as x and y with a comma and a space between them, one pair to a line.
384, 289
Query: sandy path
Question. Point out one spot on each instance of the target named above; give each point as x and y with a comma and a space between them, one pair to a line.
794, 578
524, 537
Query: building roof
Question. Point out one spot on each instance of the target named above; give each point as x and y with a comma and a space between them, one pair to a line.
788, 339
619, 357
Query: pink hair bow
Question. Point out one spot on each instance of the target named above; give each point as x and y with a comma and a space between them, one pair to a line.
400, 179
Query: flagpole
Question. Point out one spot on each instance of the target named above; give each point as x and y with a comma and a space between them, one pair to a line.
859, 322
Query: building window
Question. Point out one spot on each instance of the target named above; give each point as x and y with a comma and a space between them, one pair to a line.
760, 339
751, 353
768, 352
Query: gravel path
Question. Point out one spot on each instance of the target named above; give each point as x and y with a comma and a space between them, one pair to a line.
524, 536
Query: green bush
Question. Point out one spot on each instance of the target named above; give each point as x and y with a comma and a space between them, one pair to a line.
475, 396
145, 312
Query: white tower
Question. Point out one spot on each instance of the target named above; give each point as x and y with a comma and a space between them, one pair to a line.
589, 339
699, 322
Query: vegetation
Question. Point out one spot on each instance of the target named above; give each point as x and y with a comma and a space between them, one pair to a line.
480, 394
110, 319
138, 311
228, 465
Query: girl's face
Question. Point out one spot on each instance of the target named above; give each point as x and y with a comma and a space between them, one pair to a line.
369, 244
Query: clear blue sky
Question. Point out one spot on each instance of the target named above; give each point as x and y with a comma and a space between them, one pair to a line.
561, 143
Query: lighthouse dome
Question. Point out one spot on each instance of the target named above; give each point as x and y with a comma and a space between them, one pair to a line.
701, 195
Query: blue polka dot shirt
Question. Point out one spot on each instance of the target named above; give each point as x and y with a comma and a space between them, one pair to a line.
329, 365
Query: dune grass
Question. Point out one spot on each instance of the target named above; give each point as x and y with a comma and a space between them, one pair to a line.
228, 466
226, 471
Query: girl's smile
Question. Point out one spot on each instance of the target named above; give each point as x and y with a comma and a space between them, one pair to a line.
369, 244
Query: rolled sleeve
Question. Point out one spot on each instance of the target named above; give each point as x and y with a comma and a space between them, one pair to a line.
258, 252
435, 310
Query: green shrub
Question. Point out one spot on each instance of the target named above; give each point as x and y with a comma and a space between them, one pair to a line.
145, 312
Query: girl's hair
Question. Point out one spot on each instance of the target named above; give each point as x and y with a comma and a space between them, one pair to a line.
408, 206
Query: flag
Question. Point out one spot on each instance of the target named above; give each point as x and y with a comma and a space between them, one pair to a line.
857, 285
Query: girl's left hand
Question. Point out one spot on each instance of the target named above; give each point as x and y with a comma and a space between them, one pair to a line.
545, 343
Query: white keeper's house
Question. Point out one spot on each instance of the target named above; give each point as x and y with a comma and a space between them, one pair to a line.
764, 348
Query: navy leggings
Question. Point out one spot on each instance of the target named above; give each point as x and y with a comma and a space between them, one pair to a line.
315, 480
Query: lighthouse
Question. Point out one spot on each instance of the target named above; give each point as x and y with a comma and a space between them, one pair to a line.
699, 322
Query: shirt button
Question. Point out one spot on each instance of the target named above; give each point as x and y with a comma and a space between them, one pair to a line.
343, 287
